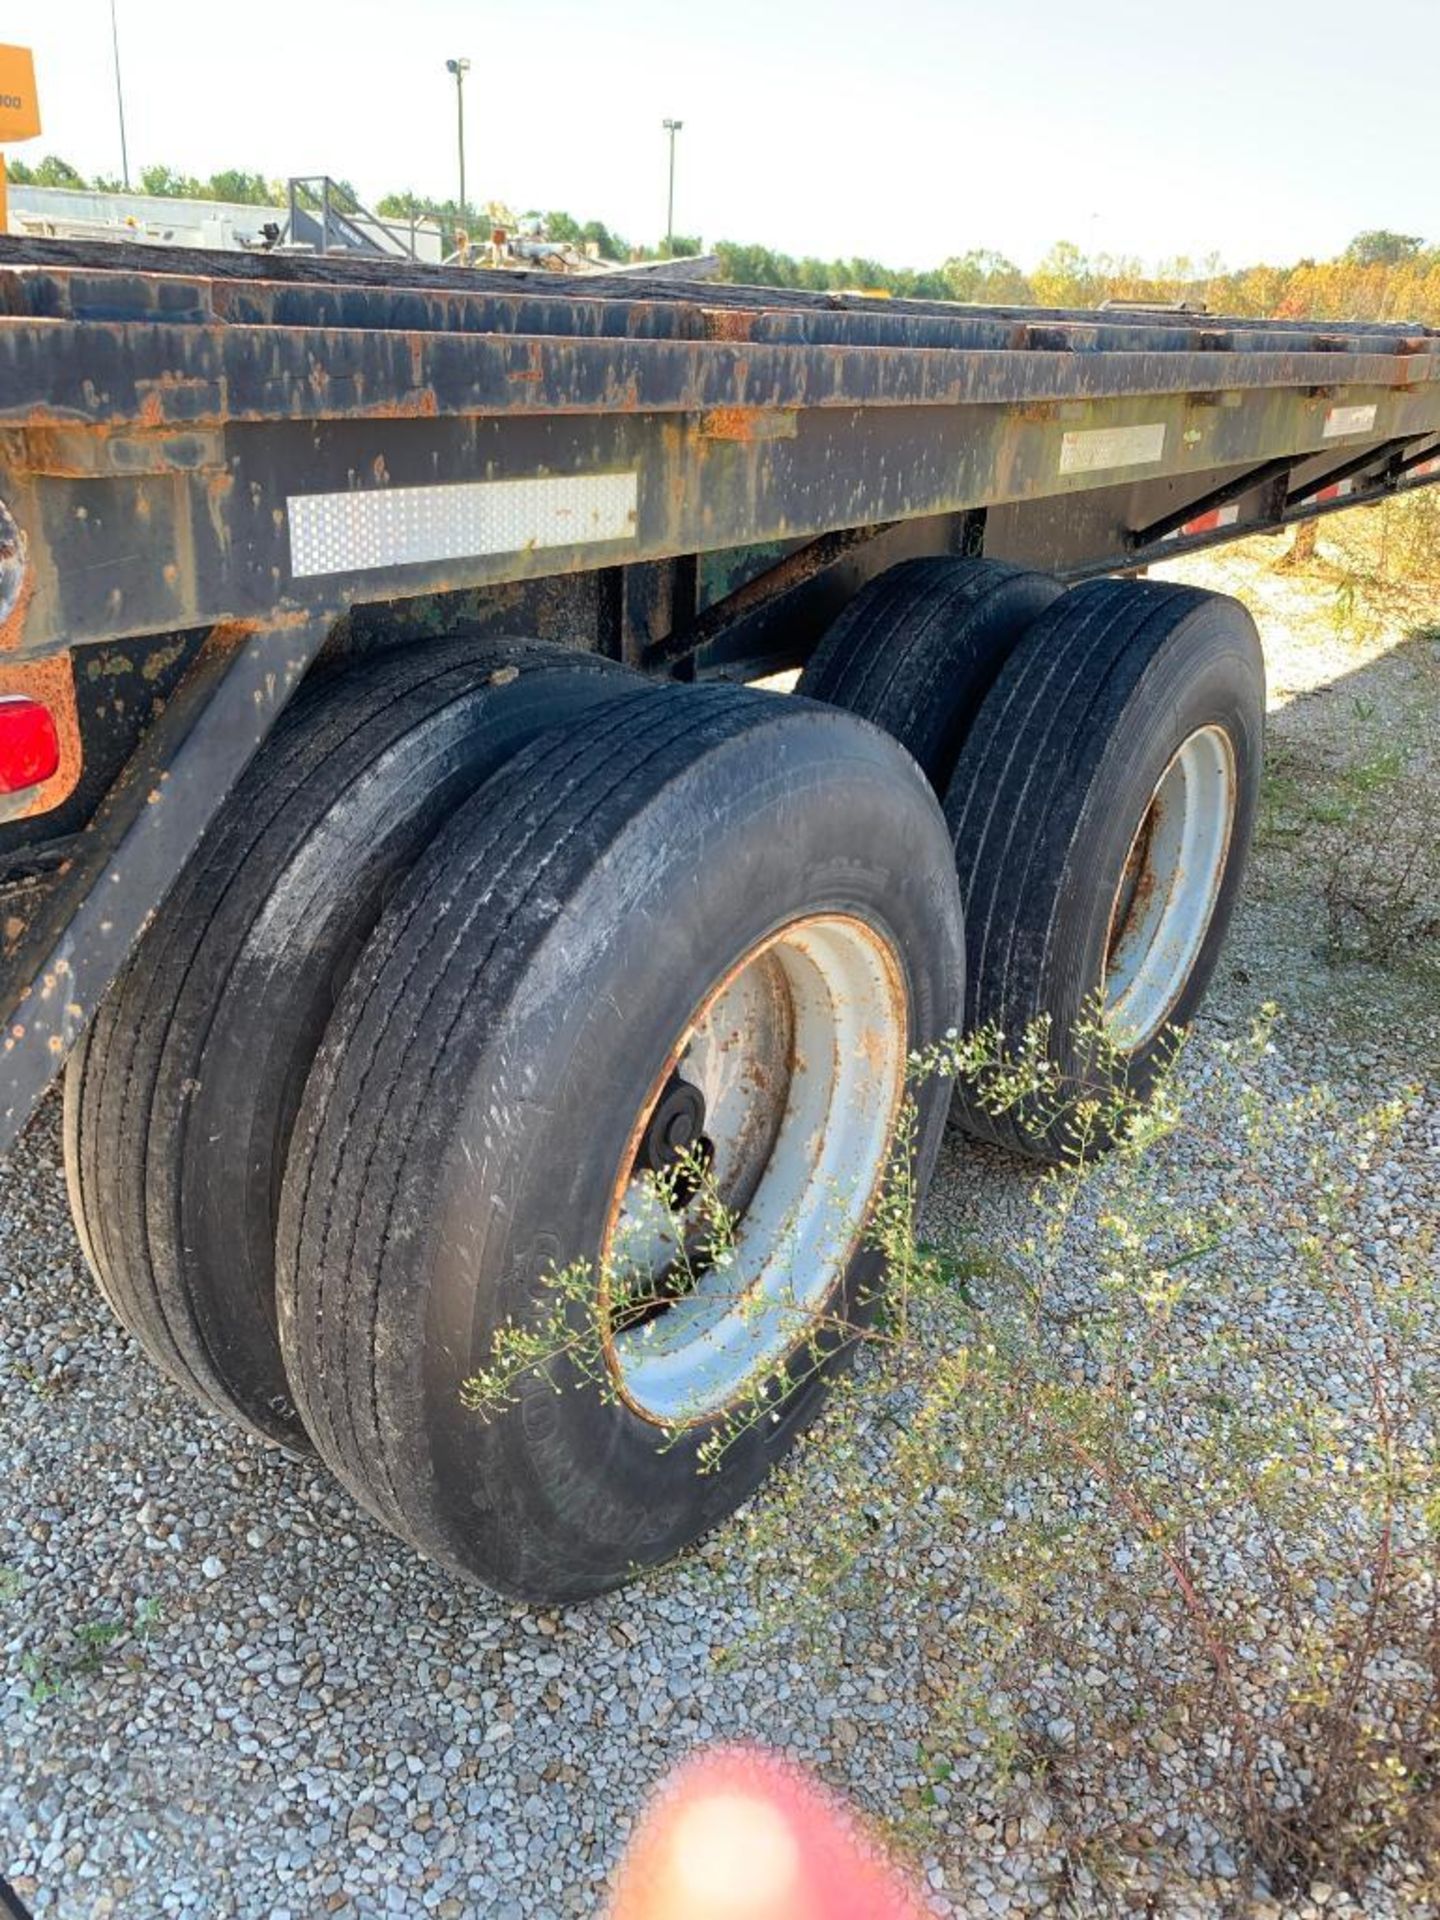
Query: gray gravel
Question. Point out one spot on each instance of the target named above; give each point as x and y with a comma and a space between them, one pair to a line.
227, 1692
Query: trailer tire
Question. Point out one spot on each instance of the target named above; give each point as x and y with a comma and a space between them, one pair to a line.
1102, 811
599, 916
918, 648
180, 1099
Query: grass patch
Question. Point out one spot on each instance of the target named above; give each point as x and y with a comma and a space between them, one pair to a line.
58, 1671
1157, 1492
1160, 1499
1363, 830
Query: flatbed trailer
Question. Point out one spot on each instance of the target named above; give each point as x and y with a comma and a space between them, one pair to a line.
225, 476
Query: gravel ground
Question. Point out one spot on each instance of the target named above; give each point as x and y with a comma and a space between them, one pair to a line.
227, 1692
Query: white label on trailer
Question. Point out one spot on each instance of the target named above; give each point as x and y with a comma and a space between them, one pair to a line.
410, 526
1342, 420
1095, 449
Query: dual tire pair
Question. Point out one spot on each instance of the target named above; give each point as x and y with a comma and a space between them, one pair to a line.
1098, 754
394, 1055
384, 1065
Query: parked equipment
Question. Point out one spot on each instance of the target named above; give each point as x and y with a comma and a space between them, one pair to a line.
420, 981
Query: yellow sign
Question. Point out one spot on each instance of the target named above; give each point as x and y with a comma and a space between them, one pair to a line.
19, 102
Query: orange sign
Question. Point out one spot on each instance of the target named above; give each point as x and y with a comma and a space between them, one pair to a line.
19, 102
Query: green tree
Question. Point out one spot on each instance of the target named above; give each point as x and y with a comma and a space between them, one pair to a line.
402, 206
168, 184
612, 247
52, 171
982, 274
1065, 278
1378, 247
249, 189
751, 266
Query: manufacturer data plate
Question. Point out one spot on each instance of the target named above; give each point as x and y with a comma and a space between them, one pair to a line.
1097, 449
1343, 420
413, 526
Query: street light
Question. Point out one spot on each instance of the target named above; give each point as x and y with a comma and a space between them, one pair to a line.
672, 127
119, 95
460, 68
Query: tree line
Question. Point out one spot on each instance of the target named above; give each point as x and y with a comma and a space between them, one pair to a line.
1381, 275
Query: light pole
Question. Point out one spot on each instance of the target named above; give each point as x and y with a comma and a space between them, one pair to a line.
119, 96
460, 68
672, 127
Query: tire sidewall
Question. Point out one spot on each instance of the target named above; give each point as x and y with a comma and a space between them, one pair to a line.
568, 1491
228, 1074
1211, 674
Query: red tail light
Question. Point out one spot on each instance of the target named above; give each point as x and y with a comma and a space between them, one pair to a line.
29, 743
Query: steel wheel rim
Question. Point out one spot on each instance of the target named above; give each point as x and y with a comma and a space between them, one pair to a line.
1168, 890
800, 1054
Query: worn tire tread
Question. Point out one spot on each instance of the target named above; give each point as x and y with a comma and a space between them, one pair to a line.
1017, 796
124, 1077
919, 647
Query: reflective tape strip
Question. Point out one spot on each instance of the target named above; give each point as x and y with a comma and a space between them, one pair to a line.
1342, 420
410, 526
1095, 449
1208, 522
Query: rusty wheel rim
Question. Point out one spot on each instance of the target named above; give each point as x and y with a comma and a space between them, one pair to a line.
799, 1052
1169, 887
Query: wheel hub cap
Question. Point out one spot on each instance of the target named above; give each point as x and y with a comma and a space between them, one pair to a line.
1168, 890
751, 1177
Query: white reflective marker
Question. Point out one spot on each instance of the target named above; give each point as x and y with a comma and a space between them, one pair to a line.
410, 526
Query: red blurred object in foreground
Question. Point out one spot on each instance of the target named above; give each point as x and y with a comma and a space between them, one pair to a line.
742, 1835
29, 744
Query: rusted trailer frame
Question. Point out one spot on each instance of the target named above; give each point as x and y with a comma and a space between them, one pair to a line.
215, 466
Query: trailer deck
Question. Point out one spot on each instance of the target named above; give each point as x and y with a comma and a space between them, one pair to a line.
274, 399
211, 464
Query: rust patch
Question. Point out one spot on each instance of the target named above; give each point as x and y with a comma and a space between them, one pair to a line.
157, 663
16, 580
1137, 885
420, 404
729, 323
52, 683
154, 393
113, 451
12, 627
749, 424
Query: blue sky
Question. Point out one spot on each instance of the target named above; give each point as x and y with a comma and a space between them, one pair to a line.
905, 130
